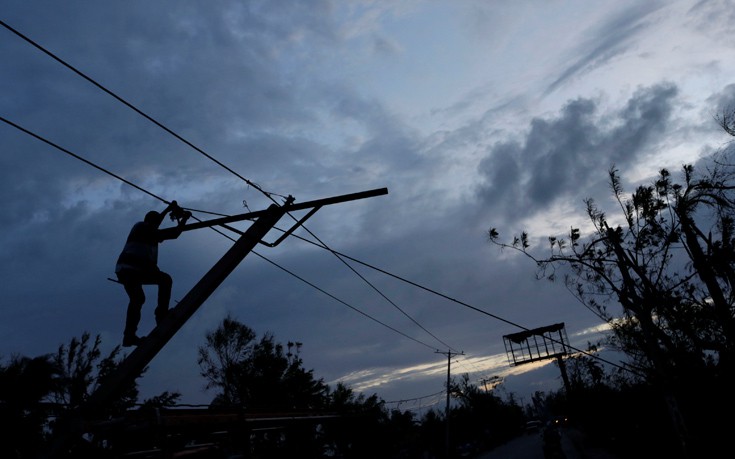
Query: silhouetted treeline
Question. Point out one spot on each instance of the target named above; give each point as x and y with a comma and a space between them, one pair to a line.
661, 274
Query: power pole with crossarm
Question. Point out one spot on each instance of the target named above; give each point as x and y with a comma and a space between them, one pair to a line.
73, 425
449, 355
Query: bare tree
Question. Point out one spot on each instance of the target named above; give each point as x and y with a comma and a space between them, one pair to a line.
669, 269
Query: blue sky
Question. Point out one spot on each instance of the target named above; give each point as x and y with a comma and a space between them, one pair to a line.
474, 114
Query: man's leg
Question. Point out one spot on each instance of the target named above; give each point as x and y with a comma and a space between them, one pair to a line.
137, 298
165, 283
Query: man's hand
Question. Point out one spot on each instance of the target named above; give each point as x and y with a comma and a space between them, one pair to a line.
178, 214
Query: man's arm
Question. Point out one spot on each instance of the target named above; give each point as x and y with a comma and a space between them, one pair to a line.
171, 207
181, 215
156, 222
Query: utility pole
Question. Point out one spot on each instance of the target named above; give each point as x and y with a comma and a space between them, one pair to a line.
449, 355
72, 425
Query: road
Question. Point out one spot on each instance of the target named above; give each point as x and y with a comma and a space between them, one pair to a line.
529, 446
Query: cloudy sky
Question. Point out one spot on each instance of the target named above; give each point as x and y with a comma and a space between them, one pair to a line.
473, 114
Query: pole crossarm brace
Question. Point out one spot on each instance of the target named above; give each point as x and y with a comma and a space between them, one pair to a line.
289, 206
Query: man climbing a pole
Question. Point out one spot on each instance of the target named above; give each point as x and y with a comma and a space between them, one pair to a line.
137, 265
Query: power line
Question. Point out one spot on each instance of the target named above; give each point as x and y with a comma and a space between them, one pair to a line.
406, 400
346, 304
330, 295
190, 144
86, 161
257, 187
132, 107
461, 303
467, 361
90, 163
377, 290
250, 183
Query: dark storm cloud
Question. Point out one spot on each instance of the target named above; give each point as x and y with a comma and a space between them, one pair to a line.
206, 73
567, 155
283, 93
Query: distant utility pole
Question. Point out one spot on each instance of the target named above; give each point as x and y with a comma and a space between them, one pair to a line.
449, 355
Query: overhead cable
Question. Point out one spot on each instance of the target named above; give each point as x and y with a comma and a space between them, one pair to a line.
210, 157
190, 144
131, 106
90, 163
376, 289
86, 161
461, 303
417, 398
346, 304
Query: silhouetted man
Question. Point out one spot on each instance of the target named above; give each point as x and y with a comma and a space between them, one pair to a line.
137, 265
